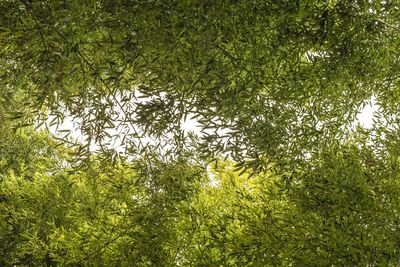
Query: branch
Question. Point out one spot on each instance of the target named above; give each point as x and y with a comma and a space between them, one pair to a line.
388, 24
28, 7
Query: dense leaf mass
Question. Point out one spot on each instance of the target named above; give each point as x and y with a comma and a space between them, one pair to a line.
280, 173
343, 210
277, 76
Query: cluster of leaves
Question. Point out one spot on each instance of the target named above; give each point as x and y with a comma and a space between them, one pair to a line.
277, 77
102, 215
272, 84
342, 210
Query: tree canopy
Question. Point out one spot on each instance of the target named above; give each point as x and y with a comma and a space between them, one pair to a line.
279, 78
281, 173
342, 211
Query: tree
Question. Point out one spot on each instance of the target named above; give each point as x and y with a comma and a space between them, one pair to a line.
343, 210
276, 87
113, 215
279, 79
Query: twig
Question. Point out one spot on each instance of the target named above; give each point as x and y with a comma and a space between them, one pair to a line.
388, 24
39, 27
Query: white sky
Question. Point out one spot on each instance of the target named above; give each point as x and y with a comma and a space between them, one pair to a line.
365, 118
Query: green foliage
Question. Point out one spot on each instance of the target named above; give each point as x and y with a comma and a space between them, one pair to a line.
275, 87
342, 210
278, 77
27, 152
120, 215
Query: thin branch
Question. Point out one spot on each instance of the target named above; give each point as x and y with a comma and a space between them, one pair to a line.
388, 24
110, 91
39, 27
